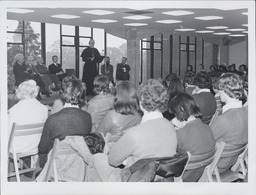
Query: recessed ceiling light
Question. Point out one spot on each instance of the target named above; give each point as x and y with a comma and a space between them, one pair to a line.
168, 21
209, 18
98, 12
105, 21
65, 16
178, 13
216, 27
230, 8
245, 25
185, 29
237, 35
245, 31
136, 24
236, 29
20, 11
137, 17
204, 31
221, 33
245, 13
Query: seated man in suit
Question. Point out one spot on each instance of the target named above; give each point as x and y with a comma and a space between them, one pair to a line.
56, 68
122, 70
23, 72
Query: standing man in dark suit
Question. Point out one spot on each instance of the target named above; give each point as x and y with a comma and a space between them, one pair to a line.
56, 68
107, 69
92, 58
122, 70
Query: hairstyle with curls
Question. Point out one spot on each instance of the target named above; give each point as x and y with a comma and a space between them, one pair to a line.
126, 99
184, 106
170, 77
189, 78
27, 90
175, 87
202, 80
232, 84
17, 57
153, 95
73, 92
101, 84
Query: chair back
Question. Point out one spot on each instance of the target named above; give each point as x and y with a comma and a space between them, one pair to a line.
214, 117
23, 130
233, 150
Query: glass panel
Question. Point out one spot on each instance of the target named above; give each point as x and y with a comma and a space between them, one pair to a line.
191, 47
192, 40
84, 41
145, 45
183, 39
157, 64
85, 31
98, 36
192, 59
68, 40
68, 58
68, 30
14, 25
32, 38
14, 38
116, 49
52, 41
157, 45
208, 51
183, 47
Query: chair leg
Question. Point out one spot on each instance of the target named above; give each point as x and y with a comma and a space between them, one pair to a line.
16, 168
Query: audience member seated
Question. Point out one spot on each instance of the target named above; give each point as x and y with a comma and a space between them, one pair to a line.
193, 135
201, 68
45, 78
189, 82
56, 68
189, 69
232, 68
27, 111
232, 126
222, 68
126, 113
100, 104
153, 137
217, 95
58, 104
71, 120
213, 71
243, 68
168, 78
203, 97
175, 88
22, 72
42, 70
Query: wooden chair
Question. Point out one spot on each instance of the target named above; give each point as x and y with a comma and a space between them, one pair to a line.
238, 170
22, 130
198, 161
211, 169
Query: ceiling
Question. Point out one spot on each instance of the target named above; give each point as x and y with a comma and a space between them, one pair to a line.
233, 19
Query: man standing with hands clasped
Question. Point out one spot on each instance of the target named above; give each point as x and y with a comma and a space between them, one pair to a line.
122, 70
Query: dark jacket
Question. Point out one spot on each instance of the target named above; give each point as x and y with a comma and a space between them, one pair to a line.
122, 72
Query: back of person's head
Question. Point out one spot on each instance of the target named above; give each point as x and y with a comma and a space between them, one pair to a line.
175, 87
232, 85
152, 95
101, 84
27, 90
66, 79
189, 68
222, 68
189, 78
126, 99
184, 106
202, 80
170, 77
73, 92
243, 67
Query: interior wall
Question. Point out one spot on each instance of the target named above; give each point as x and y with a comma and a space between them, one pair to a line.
238, 53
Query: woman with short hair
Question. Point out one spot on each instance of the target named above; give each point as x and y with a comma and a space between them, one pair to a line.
231, 126
71, 120
126, 113
192, 134
101, 103
27, 111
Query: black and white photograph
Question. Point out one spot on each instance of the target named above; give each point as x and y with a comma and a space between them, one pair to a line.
128, 97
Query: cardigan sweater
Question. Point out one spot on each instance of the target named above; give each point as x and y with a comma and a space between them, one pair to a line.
197, 138
232, 128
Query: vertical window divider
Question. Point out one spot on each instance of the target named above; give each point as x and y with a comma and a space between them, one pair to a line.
60, 44
77, 44
161, 55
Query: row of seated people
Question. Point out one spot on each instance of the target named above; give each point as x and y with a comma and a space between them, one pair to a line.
132, 123
48, 79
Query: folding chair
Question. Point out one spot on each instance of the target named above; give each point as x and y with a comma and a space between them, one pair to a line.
214, 117
22, 130
238, 170
211, 169
198, 161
